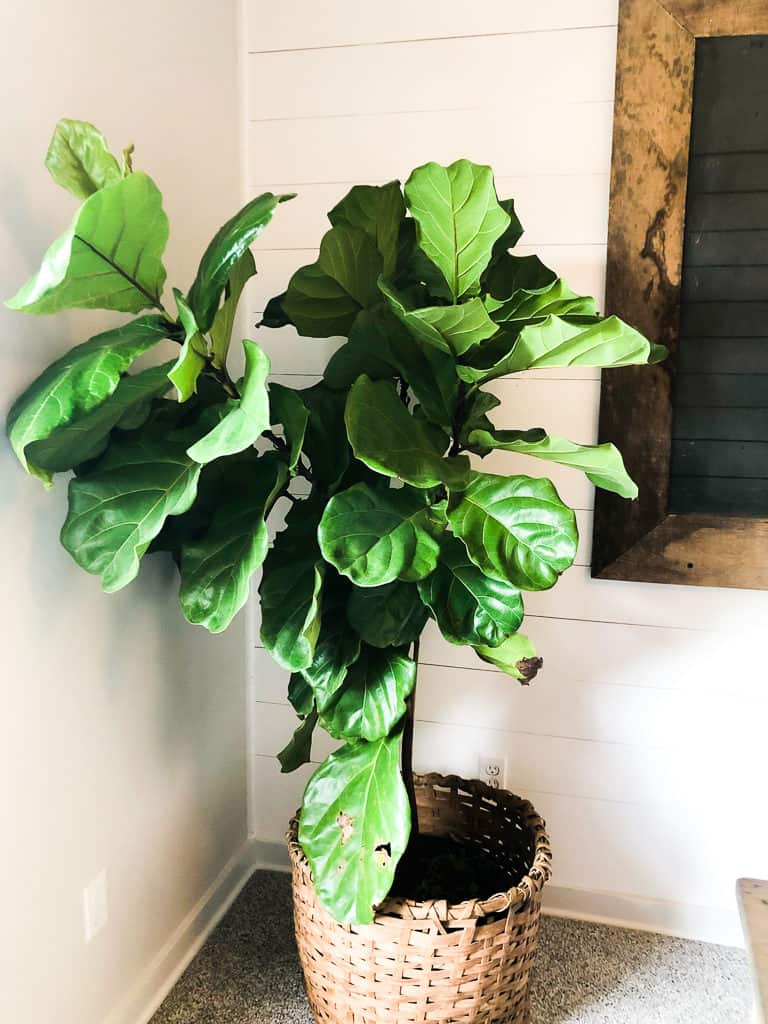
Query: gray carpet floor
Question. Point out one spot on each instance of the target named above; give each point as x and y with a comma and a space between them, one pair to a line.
247, 973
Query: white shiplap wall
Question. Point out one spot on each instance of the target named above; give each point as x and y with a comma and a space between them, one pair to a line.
641, 740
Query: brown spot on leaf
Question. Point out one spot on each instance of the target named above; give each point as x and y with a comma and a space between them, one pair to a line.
347, 826
528, 668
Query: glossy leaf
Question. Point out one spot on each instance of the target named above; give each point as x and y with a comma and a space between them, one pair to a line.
300, 695
516, 656
378, 210
387, 616
224, 320
470, 607
216, 568
87, 436
371, 699
325, 439
558, 342
290, 590
323, 299
602, 464
476, 407
382, 347
76, 383
337, 645
451, 329
247, 417
414, 267
287, 409
225, 250
117, 508
109, 258
515, 529
298, 750
192, 358
79, 159
458, 219
377, 536
522, 288
386, 437
354, 827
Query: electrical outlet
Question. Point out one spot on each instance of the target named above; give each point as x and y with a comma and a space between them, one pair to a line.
493, 770
95, 906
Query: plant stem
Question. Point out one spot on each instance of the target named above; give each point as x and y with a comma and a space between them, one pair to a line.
407, 755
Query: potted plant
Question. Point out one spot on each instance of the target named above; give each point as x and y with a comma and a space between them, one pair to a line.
417, 898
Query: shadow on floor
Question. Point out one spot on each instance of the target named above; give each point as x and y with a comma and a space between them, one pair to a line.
247, 973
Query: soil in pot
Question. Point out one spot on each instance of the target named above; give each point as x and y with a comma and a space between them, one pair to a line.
445, 868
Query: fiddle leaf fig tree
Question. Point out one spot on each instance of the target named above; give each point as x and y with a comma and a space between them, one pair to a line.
375, 471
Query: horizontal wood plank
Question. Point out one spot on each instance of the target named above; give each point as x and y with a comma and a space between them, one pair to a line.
723, 355
728, 172
698, 457
300, 24
726, 248
380, 79
723, 319
727, 390
726, 283
384, 146
730, 211
722, 496
721, 423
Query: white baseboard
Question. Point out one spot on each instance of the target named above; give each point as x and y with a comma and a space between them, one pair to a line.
154, 983
684, 920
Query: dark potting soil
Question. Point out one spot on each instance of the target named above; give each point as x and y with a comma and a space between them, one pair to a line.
444, 868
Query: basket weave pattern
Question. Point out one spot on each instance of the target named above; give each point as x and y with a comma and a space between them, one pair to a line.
433, 961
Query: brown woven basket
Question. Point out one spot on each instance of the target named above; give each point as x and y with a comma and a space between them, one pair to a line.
433, 961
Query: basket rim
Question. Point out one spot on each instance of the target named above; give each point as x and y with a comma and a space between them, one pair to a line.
515, 897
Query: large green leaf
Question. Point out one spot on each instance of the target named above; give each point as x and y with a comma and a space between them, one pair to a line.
287, 408
378, 210
290, 590
76, 383
224, 251
414, 267
387, 616
325, 439
371, 699
386, 437
216, 568
337, 645
476, 407
193, 355
382, 347
451, 329
247, 417
110, 257
516, 656
377, 536
458, 219
323, 299
506, 241
298, 750
79, 160
515, 529
117, 508
86, 437
354, 827
224, 320
602, 463
470, 607
558, 342
522, 288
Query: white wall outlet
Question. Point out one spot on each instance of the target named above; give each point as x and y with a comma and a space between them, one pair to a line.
95, 906
493, 770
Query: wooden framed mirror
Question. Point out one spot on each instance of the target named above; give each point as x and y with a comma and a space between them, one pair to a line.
688, 265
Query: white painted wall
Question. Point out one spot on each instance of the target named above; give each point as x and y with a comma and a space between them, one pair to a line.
642, 740
122, 734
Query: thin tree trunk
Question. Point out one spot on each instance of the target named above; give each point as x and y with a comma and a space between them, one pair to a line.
407, 756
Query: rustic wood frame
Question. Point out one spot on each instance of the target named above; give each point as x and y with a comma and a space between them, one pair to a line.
642, 540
